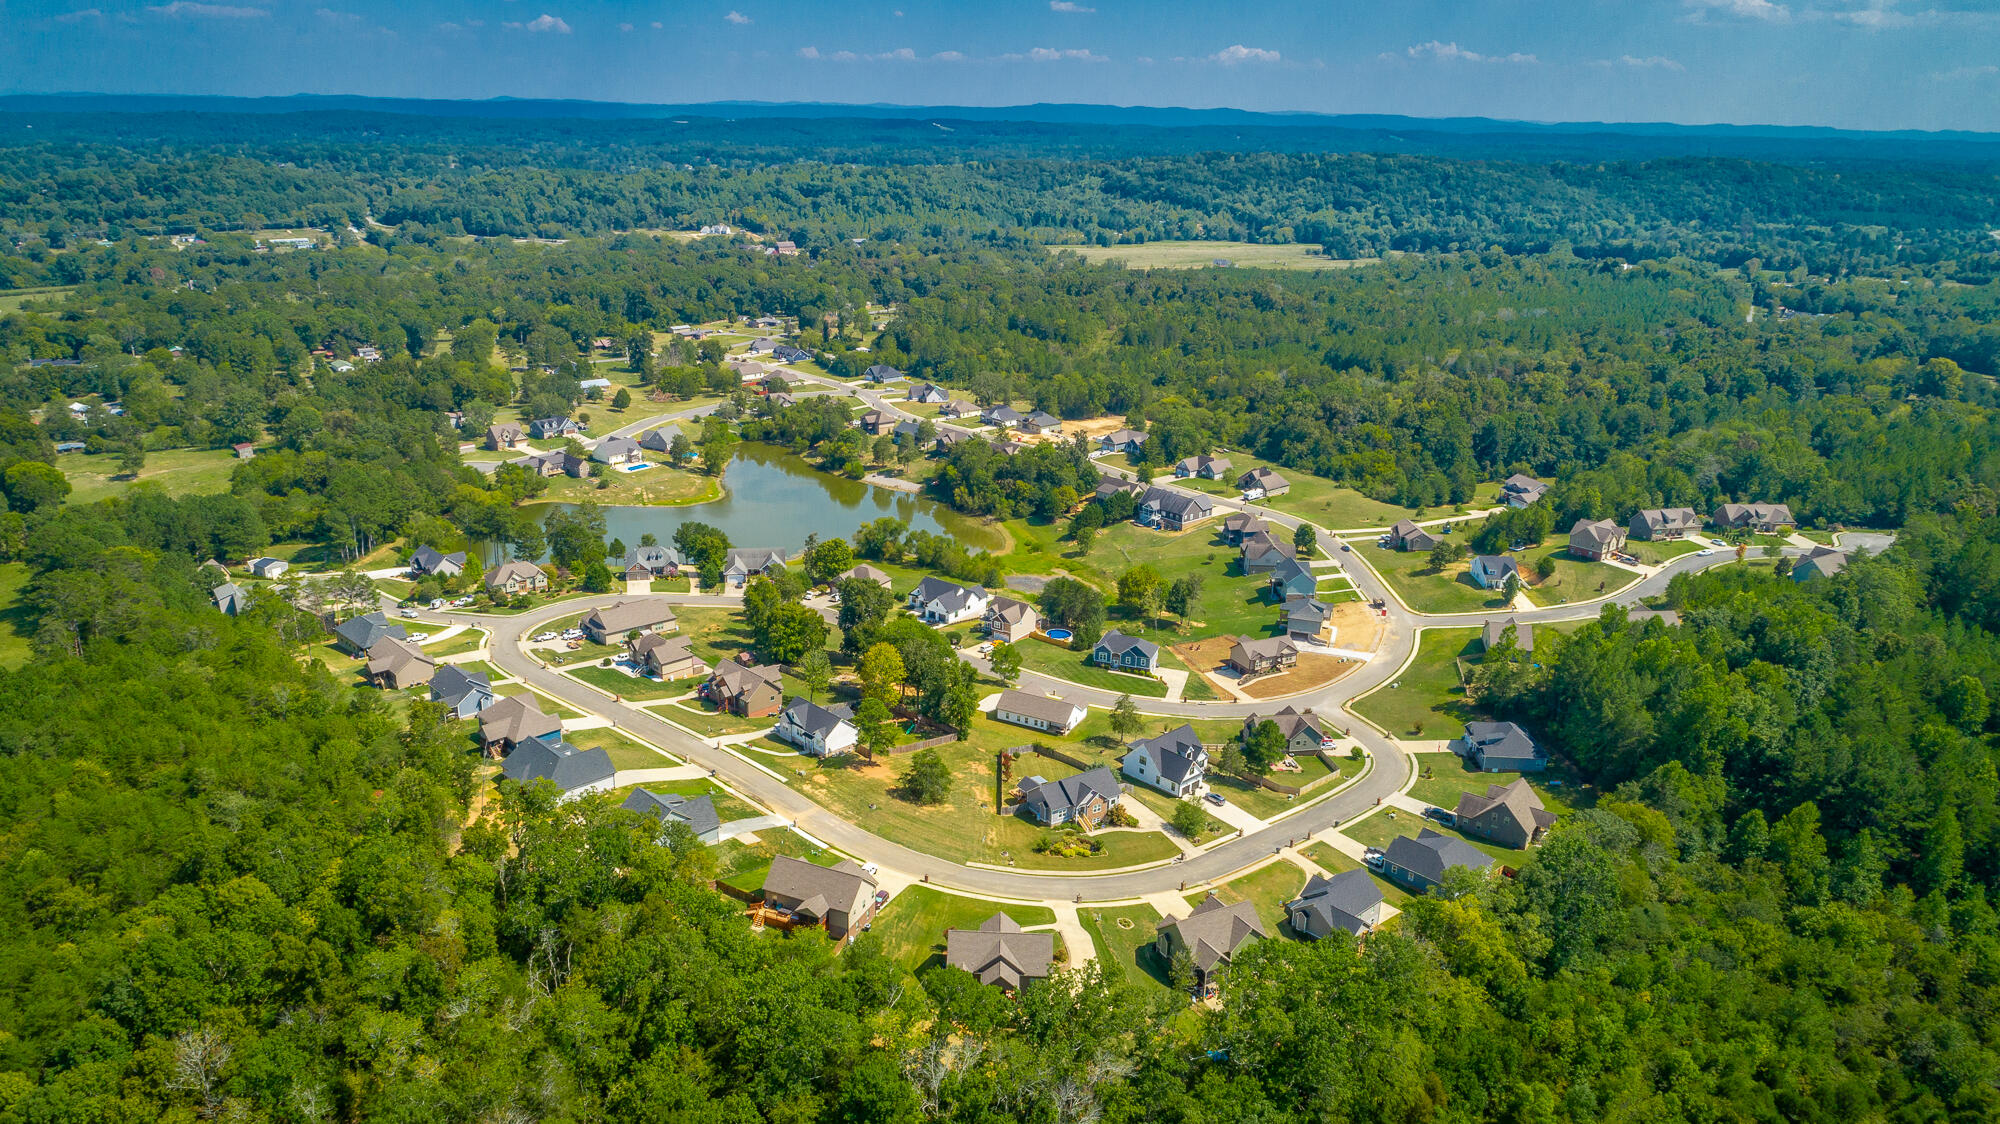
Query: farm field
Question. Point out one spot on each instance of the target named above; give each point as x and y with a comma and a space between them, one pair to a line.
177, 472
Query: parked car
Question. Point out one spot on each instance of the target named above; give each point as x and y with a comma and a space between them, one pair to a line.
1703, 553
574, 645
1372, 858
1344, 546
545, 637
1216, 799
408, 613
1441, 816
437, 602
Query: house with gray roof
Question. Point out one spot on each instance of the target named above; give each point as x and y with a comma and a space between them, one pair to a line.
1169, 510
503, 436
1038, 421
1262, 552
1594, 539
1304, 731
1240, 525
1821, 562
746, 690
1420, 863
356, 635
1262, 655
999, 954
937, 601
840, 897
1763, 518
1002, 415
1511, 815
543, 429
1348, 902
659, 439
509, 722
865, 572
1491, 631
1117, 485
1306, 618
1037, 712
430, 561
697, 812
616, 450
1174, 762
1010, 620
1407, 536
929, 394
1265, 480
658, 561
1085, 799
229, 598
742, 563
666, 657
958, 408
1520, 491
1660, 524
1205, 467
875, 421
1210, 936
1121, 441
1125, 653
1500, 747
817, 730
515, 576
576, 772
394, 664
466, 693
269, 569
1491, 571
882, 372
1293, 578
613, 623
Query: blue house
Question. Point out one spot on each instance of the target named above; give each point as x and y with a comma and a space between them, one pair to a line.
1125, 653
1491, 571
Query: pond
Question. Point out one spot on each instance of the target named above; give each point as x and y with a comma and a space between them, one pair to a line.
773, 498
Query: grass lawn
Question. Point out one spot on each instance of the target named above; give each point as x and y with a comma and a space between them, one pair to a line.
1066, 664
1198, 688
1377, 830
1231, 603
703, 718
659, 485
912, 926
1574, 579
1655, 553
548, 706
13, 300
1315, 775
717, 634
1325, 855
1268, 888
631, 687
395, 587
626, 753
467, 641
744, 865
492, 674
1123, 936
1203, 255
1311, 498
1450, 775
1429, 694
1163, 805
728, 806
177, 472
14, 630
1441, 591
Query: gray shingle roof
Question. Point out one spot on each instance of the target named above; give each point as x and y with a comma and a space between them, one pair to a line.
1056, 712
515, 719
999, 953
1500, 741
1340, 901
1213, 932
452, 683
553, 759
1176, 754
1524, 633
1183, 505
1432, 853
367, 630
1117, 643
820, 889
1070, 793
624, 616
698, 812
814, 719
950, 596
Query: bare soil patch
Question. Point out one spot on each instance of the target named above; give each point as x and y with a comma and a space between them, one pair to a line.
1313, 670
1356, 626
1203, 656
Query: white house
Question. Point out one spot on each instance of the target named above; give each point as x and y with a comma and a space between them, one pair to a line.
1173, 763
937, 601
816, 730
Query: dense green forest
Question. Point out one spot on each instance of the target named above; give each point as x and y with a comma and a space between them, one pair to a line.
236, 887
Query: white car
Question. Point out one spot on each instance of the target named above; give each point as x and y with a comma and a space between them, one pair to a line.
411, 613
417, 637
545, 637
1703, 553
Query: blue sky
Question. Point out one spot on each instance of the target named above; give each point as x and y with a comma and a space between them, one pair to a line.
1873, 64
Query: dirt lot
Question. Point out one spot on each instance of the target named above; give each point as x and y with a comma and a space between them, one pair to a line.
1356, 626
1205, 655
1313, 670
1093, 428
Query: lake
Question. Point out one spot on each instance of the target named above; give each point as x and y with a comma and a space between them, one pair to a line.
773, 498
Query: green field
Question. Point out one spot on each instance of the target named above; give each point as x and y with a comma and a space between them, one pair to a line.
1066, 664
14, 626
912, 926
1202, 255
631, 687
1574, 579
1123, 937
1430, 693
11, 300
467, 641
1429, 591
658, 486
177, 472
1268, 888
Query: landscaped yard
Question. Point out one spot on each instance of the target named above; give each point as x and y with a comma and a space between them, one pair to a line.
1429, 591
548, 706
1385, 825
1268, 888
1123, 937
912, 926
177, 472
14, 628
743, 865
1574, 579
1655, 553
626, 753
728, 806
1066, 664
1163, 805
704, 719
1426, 700
631, 686
467, 641
660, 485
1451, 775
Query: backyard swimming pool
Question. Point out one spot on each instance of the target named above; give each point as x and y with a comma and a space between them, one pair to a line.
636, 466
1057, 634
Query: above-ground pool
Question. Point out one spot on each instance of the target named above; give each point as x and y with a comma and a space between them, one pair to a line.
1057, 634
635, 466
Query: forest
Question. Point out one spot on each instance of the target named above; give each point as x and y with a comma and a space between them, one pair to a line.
239, 888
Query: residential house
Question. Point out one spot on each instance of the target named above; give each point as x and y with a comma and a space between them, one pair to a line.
1421, 863
616, 450
818, 731
1293, 578
503, 436
908, 434
1238, 525
1125, 653
613, 623
544, 429
594, 384
356, 635
229, 598
787, 353
937, 601
874, 421
1491, 631
658, 561
1010, 620
1169, 510
946, 438
1264, 480
1304, 731
1520, 491
1037, 712
769, 323
882, 372
269, 568
865, 572
1349, 902
958, 409
1263, 552
779, 399
1174, 762
454, 418
741, 564
666, 658
1763, 518
1510, 815
1491, 571
697, 812
1659, 524
840, 897
1204, 467
1210, 936
1085, 799
1407, 536
429, 561
510, 721
999, 954
466, 693
1002, 415
1500, 747
244, 450
71, 446
763, 346
516, 577
1121, 441
575, 772
1113, 485
1039, 422
1595, 539
929, 394
746, 690
1263, 656
1821, 562
553, 463
394, 664
1308, 618
658, 440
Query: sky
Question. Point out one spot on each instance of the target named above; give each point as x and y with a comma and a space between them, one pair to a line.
1863, 64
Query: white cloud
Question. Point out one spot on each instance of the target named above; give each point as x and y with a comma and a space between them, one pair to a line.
331, 16
1967, 73
1634, 62
1452, 52
450, 28
1764, 10
948, 56
1071, 7
542, 23
738, 18
624, 27
1231, 56
186, 9
808, 52
1057, 54
900, 54
80, 15
1884, 15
